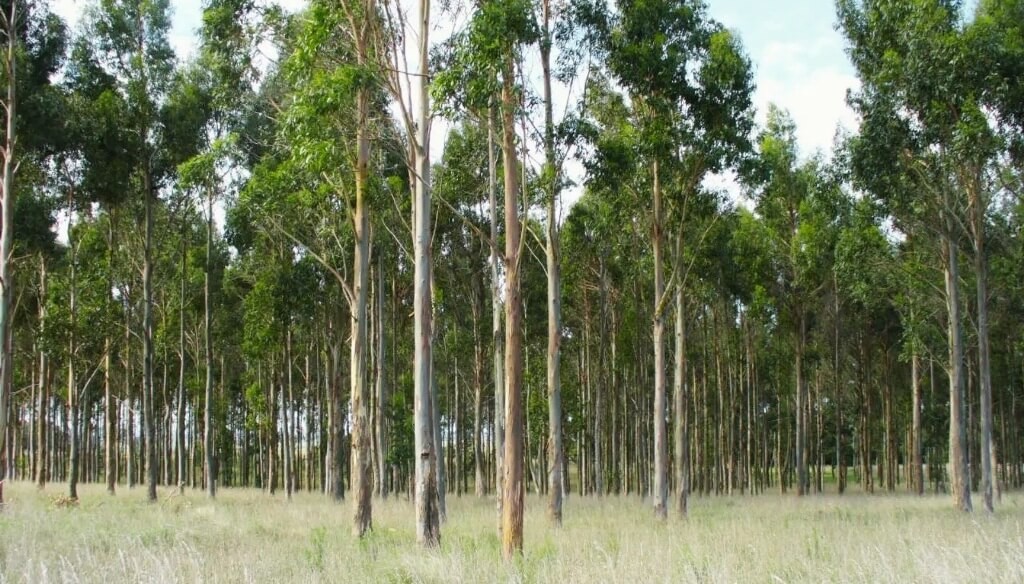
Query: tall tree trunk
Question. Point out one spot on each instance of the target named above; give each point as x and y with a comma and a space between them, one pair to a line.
148, 194
957, 421
497, 333
837, 367
360, 462
435, 413
110, 417
513, 489
479, 482
681, 430
660, 494
915, 387
286, 425
44, 385
428, 512
555, 449
336, 422
7, 193
179, 445
208, 430
382, 396
801, 396
72, 396
978, 206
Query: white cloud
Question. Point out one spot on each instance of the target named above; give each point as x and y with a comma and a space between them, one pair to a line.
810, 80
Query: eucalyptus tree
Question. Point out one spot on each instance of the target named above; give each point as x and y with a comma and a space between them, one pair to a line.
922, 119
107, 151
461, 180
33, 50
130, 42
484, 59
689, 85
222, 81
410, 90
36, 241
356, 22
793, 201
314, 188
10, 28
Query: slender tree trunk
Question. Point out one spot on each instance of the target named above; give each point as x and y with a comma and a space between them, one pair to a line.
435, 412
148, 194
72, 396
984, 367
479, 482
7, 222
44, 385
682, 447
513, 488
957, 422
179, 446
360, 462
382, 397
208, 430
427, 489
286, 427
555, 449
915, 383
110, 417
801, 397
336, 423
660, 494
497, 333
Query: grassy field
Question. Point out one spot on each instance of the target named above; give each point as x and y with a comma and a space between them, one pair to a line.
248, 536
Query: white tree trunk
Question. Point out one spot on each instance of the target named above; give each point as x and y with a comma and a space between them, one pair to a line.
428, 530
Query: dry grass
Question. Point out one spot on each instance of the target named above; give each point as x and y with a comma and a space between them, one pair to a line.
247, 536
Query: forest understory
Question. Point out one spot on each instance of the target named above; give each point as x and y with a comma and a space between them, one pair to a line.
247, 535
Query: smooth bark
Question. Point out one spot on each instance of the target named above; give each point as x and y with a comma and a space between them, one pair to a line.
957, 420
428, 488
660, 490
552, 252
513, 489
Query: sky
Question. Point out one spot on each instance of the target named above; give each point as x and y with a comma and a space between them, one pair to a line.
798, 58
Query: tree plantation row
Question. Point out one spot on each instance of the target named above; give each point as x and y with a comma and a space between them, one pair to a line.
368, 322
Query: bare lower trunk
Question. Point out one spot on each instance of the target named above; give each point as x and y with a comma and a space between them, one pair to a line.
984, 366
555, 450
957, 421
382, 397
7, 223
336, 425
360, 462
44, 386
286, 426
208, 431
800, 429
179, 435
148, 415
682, 447
497, 333
478, 390
513, 489
110, 418
915, 382
72, 396
660, 491
428, 525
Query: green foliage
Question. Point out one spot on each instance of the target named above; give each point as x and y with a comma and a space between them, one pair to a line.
468, 66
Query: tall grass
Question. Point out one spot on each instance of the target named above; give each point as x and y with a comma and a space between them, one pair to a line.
248, 536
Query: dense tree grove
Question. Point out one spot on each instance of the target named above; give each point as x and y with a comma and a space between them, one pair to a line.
197, 257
